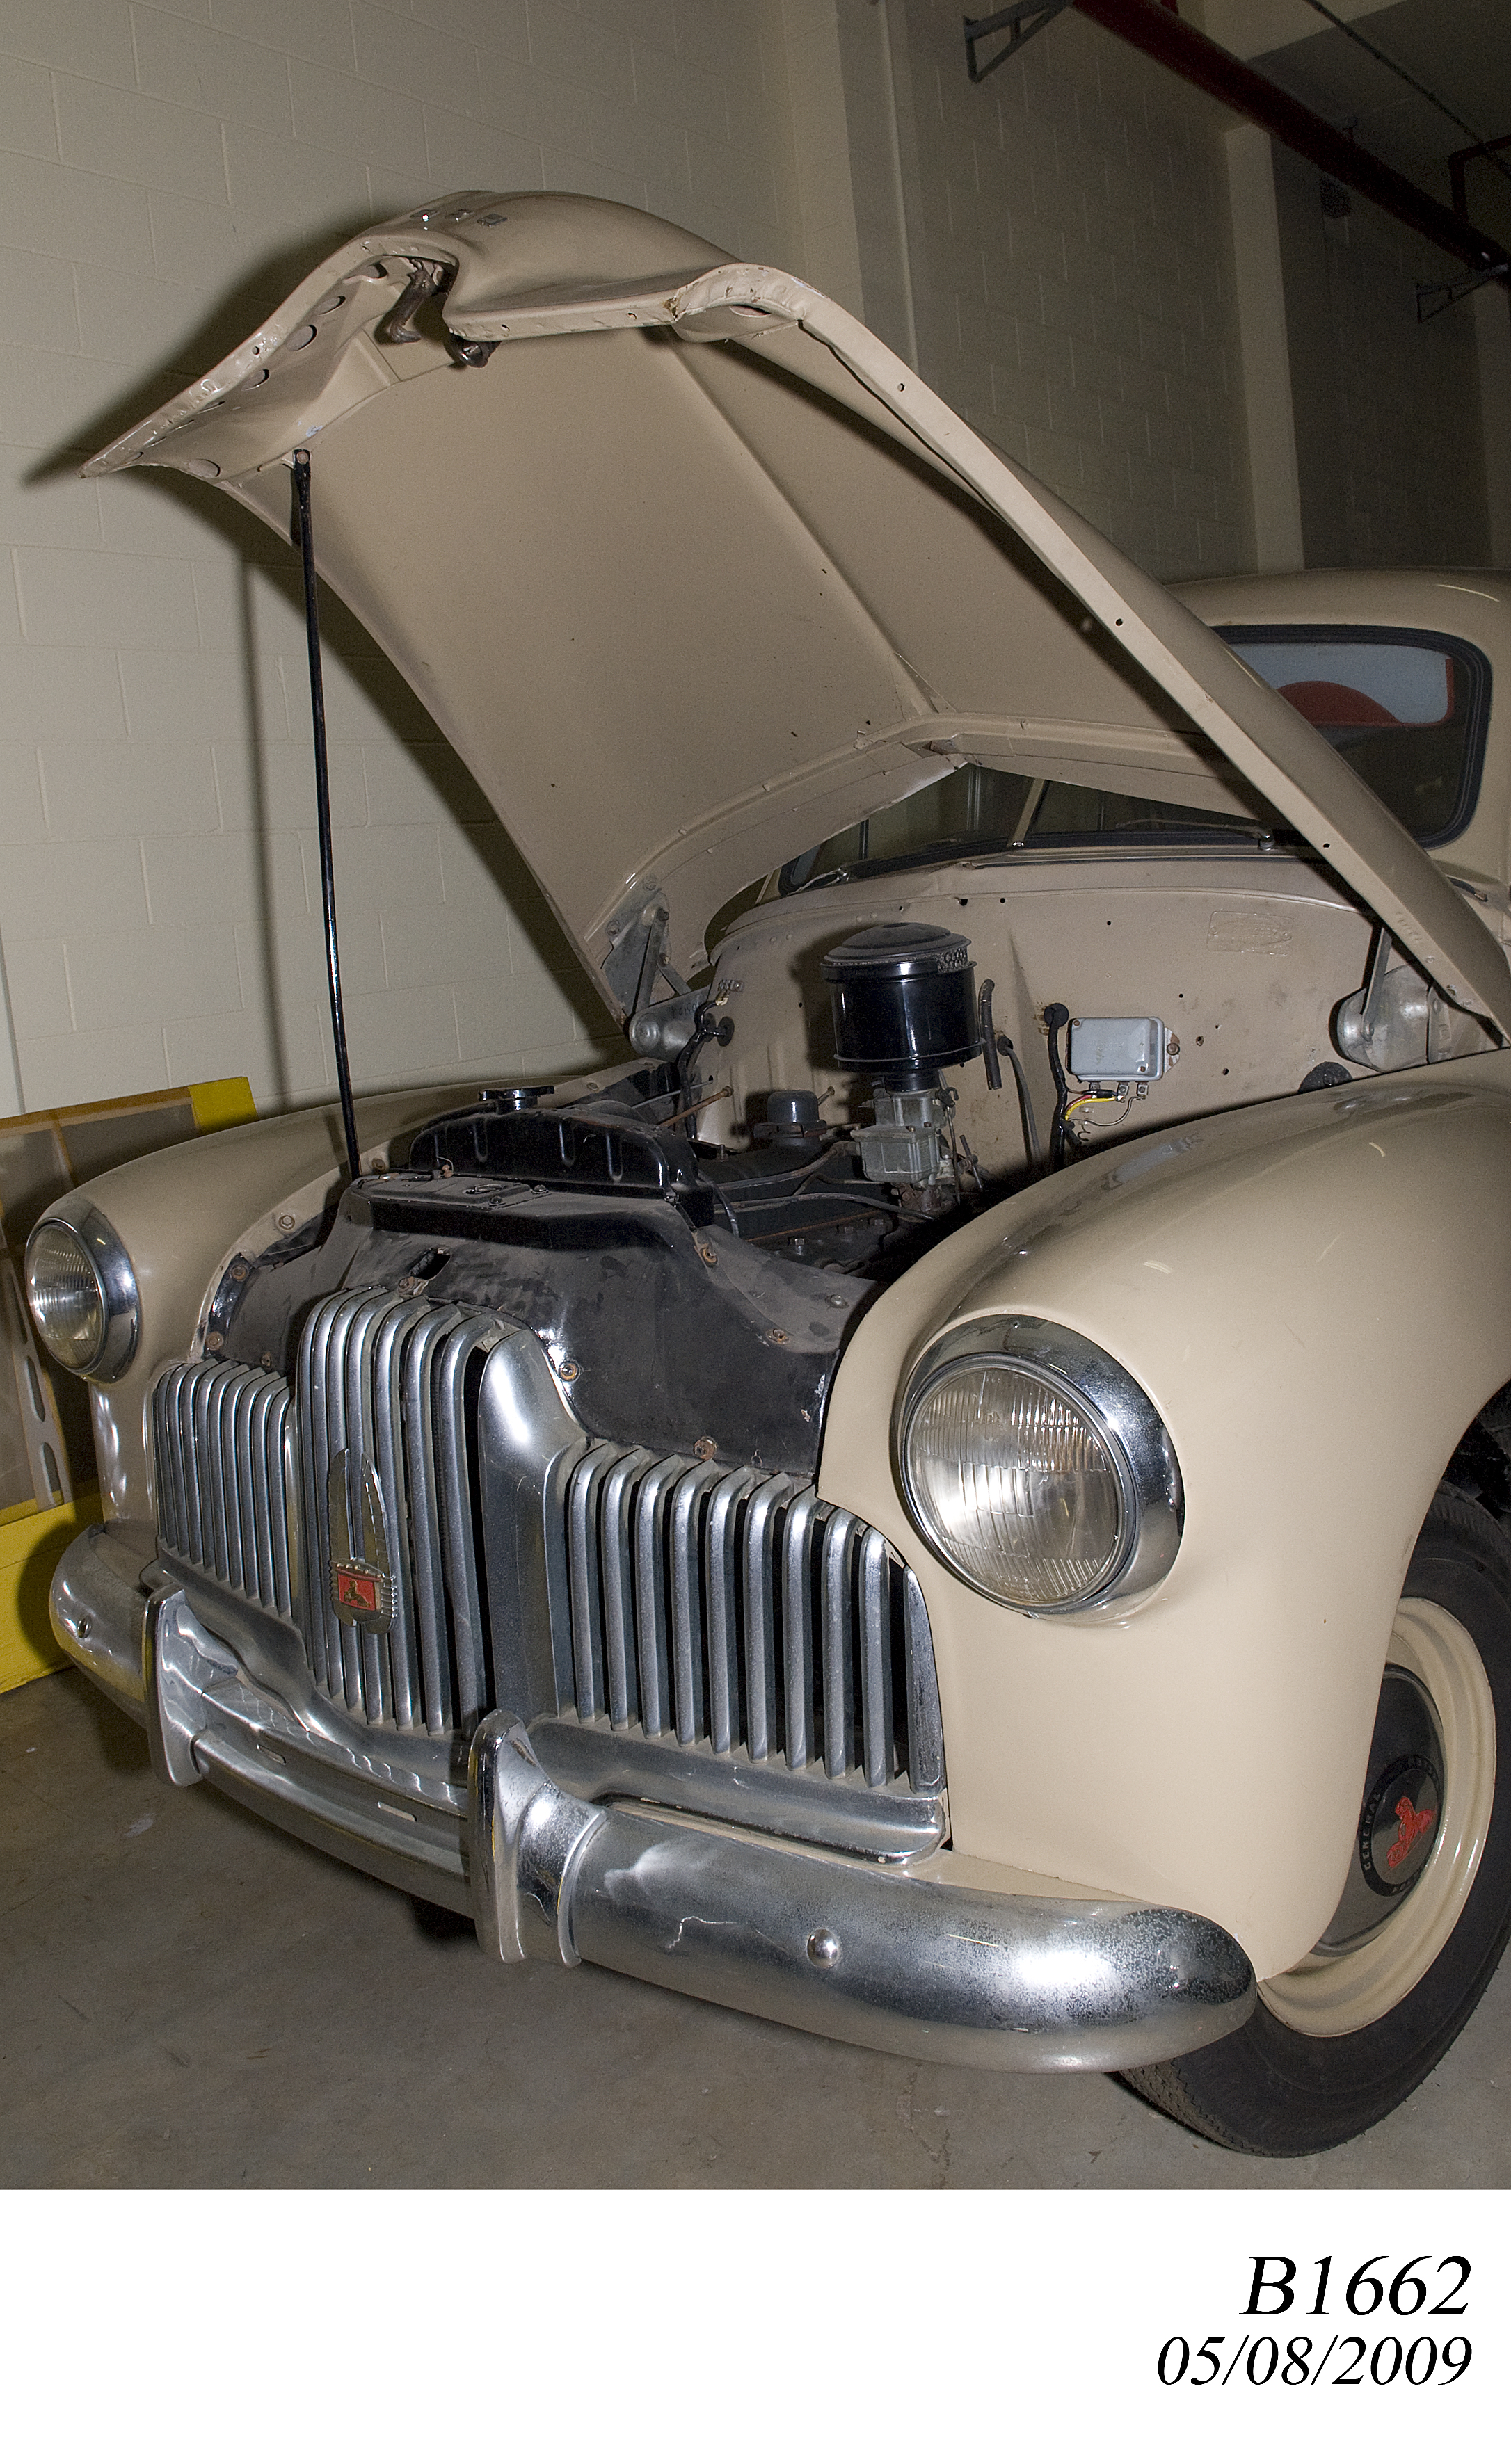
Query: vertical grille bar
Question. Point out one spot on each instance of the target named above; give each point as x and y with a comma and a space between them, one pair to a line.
721, 1609
838, 1632
358, 1401
172, 1499
197, 1536
650, 1598
343, 1643
759, 1592
584, 1492
320, 1625
283, 1486
926, 1729
387, 1399
231, 1418
797, 1628
194, 1526
556, 1490
420, 1472
211, 1394
688, 1590
258, 1511
462, 1562
618, 1589
877, 1731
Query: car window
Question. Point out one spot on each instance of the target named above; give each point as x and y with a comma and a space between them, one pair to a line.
1066, 816
979, 812
975, 812
967, 813
1407, 711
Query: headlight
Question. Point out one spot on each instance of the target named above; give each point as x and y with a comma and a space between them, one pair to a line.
82, 1292
1037, 1468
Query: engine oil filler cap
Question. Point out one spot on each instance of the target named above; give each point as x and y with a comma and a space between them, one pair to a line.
514, 1099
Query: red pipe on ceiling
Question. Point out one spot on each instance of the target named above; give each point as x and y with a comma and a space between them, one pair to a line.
1153, 28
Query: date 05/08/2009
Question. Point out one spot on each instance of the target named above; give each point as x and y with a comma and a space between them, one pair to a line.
1402, 2292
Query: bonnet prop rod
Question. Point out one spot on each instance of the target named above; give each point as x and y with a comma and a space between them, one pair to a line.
327, 868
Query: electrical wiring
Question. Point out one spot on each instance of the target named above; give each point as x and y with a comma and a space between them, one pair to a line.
1080, 1103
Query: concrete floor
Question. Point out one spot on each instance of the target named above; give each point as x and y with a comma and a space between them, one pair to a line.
188, 1998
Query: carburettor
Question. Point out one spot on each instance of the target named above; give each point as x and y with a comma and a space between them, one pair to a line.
904, 998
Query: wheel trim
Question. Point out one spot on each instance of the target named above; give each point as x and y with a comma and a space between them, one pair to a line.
1336, 1994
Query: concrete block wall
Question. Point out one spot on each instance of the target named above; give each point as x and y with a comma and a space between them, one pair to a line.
167, 169
1408, 401
1072, 278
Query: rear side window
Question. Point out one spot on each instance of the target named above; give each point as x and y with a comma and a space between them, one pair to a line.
1407, 711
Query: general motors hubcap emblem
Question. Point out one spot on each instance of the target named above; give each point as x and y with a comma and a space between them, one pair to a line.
361, 1590
1400, 1816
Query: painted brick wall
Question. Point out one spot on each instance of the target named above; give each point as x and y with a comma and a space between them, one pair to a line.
1072, 279
167, 168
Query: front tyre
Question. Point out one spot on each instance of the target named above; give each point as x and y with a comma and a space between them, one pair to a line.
1345, 2036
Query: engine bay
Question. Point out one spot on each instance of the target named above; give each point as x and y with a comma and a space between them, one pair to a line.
691, 1240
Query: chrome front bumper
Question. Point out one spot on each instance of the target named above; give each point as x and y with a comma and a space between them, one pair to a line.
904, 1961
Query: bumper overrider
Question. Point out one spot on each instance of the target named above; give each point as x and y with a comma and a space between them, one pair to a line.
871, 1953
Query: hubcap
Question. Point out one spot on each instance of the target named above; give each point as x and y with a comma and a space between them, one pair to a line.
1427, 1795
1403, 1799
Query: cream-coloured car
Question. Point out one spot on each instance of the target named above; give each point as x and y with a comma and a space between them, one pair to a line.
957, 1500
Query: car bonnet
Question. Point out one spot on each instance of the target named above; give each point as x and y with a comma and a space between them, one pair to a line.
692, 570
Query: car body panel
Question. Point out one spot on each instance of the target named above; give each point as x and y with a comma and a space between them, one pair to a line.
683, 604
1242, 956
1317, 1296
185, 1218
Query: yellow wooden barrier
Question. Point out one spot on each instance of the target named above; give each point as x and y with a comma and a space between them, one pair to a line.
30, 1545
42, 1154
220, 1103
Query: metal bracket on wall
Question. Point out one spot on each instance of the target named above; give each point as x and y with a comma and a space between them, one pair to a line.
1443, 294
1025, 18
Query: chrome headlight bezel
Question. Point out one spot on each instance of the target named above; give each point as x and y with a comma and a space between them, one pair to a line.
104, 1253
1093, 1384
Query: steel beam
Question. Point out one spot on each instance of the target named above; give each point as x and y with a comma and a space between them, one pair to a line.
1161, 35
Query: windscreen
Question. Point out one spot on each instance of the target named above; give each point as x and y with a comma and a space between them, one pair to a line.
977, 813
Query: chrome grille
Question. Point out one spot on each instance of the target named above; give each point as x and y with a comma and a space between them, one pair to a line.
381, 1381
676, 1603
220, 1443
741, 1612
386, 1381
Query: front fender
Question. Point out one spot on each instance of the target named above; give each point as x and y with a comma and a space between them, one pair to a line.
184, 1211
1316, 1294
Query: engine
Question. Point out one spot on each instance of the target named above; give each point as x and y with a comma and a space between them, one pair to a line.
688, 1296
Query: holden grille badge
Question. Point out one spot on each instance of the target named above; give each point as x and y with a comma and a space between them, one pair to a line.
362, 1590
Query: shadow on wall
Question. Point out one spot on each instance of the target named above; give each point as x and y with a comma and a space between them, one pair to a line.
348, 647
